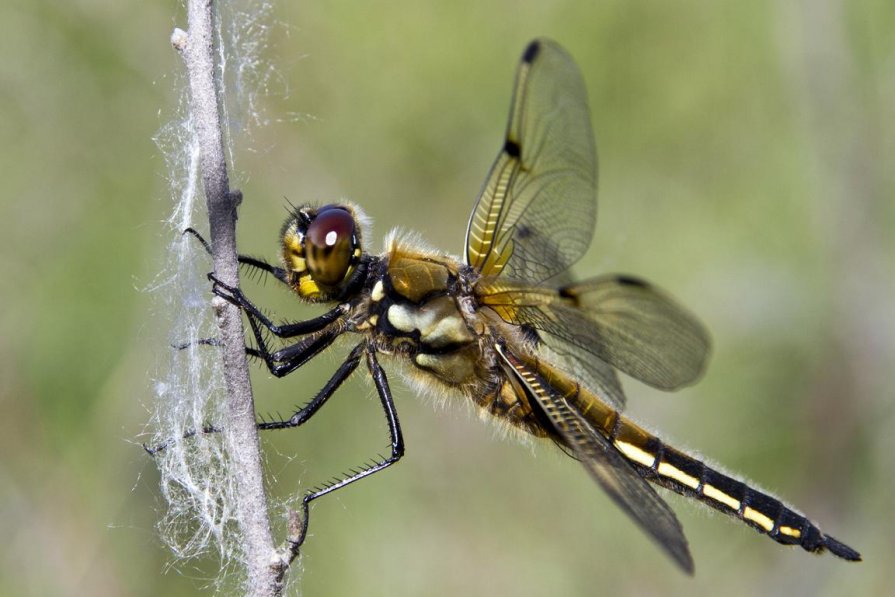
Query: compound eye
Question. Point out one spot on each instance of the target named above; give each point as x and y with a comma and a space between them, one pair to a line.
330, 245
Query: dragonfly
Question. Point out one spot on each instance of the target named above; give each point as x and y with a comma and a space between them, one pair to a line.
507, 328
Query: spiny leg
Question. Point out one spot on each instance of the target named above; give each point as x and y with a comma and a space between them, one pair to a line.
308, 410
282, 363
251, 352
397, 447
279, 363
288, 359
235, 296
287, 330
258, 264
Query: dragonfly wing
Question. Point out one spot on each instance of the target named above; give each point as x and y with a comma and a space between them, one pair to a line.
536, 212
604, 463
597, 375
641, 331
607, 323
562, 333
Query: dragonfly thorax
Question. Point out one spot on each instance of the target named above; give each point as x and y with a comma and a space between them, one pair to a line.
415, 312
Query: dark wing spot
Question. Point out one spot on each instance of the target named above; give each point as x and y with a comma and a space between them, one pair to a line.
523, 231
512, 148
631, 281
531, 52
530, 334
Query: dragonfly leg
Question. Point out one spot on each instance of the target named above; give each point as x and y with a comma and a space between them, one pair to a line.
286, 365
253, 262
286, 360
307, 411
397, 448
287, 330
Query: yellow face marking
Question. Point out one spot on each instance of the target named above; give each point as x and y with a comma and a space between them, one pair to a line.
791, 532
291, 239
294, 251
298, 263
634, 453
719, 496
307, 287
378, 292
758, 518
672, 472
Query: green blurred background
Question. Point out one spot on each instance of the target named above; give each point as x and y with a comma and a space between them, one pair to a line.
746, 165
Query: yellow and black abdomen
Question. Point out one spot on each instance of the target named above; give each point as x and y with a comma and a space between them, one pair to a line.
661, 464
688, 476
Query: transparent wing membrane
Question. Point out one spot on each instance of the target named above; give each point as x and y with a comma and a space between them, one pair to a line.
536, 213
640, 330
607, 323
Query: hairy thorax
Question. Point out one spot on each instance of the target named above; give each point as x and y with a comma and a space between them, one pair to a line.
421, 309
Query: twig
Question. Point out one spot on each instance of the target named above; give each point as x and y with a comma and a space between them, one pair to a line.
265, 567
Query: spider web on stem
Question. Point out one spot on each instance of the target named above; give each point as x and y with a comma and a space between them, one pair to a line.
197, 482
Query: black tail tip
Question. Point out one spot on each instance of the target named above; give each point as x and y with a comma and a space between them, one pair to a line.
837, 548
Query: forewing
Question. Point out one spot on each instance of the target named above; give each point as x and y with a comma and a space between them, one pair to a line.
604, 463
641, 330
536, 212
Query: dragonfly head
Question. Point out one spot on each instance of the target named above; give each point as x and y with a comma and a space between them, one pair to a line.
321, 249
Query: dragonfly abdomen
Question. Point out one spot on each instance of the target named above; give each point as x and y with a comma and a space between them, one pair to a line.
688, 476
578, 415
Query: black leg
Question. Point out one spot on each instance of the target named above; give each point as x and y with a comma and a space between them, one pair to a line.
288, 330
235, 296
286, 360
252, 352
308, 410
258, 264
394, 428
195, 234
301, 415
153, 450
262, 266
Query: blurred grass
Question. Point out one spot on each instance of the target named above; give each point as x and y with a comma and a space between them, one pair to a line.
746, 165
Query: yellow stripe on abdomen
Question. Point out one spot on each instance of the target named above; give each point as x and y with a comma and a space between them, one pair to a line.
636, 454
675, 470
675, 474
715, 494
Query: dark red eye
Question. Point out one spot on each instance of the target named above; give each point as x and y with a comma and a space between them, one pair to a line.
330, 245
